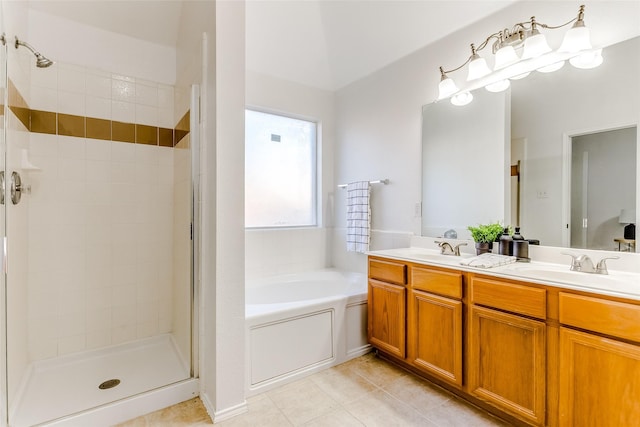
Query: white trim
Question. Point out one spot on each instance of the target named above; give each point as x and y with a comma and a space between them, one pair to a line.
225, 414
566, 189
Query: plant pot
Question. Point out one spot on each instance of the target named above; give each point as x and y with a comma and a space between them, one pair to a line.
483, 247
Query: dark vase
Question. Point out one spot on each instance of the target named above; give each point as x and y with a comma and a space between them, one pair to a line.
483, 247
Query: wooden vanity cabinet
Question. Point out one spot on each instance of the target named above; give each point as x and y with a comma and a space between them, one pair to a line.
599, 376
386, 306
534, 354
506, 357
435, 324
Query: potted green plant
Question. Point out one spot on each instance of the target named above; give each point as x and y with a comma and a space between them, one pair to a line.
484, 235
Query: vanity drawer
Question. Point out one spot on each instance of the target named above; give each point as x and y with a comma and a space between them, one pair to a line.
525, 300
388, 271
448, 284
613, 318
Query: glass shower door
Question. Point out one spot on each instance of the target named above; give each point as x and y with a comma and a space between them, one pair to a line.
99, 275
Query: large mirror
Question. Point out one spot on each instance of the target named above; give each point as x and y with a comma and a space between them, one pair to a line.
568, 160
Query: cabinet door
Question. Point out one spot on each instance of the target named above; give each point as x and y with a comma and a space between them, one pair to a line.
386, 320
435, 335
599, 381
506, 363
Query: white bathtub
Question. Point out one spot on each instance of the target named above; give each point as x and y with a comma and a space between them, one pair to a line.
302, 323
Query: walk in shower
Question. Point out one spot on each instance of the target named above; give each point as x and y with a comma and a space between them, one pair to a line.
96, 224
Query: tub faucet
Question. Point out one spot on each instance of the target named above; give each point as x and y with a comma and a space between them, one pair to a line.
447, 249
585, 264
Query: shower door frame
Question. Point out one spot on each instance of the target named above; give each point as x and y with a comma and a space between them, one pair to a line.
4, 406
194, 142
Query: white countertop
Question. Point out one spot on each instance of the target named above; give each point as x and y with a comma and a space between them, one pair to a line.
616, 283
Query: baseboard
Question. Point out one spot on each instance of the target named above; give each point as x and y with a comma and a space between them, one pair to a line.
225, 414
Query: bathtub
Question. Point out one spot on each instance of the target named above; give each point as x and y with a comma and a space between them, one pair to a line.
302, 323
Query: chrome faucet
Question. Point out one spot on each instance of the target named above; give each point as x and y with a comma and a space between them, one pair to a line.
585, 264
447, 249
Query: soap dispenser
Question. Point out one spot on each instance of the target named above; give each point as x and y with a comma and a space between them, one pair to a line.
517, 235
505, 245
520, 247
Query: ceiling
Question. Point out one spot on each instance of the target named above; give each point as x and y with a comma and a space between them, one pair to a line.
329, 44
325, 44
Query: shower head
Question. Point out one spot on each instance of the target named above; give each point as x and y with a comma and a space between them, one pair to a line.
41, 61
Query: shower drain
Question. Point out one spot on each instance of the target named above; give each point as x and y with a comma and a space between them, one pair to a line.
109, 384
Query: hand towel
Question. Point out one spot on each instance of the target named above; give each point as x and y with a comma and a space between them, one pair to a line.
358, 216
488, 260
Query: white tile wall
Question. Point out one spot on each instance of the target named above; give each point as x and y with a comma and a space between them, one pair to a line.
100, 219
93, 252
270, 252
72, 89
353, 261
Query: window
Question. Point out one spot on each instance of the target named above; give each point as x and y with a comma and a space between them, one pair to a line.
280, 171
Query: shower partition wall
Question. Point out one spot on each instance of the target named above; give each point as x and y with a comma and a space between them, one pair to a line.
98, 287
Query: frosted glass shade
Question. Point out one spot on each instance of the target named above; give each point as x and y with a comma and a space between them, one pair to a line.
498, 86
588, 59
505, 56
478, 68
462, 99
518, 71
535, 46
575, 40
446, 88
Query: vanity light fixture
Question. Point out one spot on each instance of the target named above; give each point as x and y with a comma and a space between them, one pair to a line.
536, 55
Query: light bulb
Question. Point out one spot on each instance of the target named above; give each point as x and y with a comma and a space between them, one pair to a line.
461, 99
477, 68
588, 59
552, 67
576, 39
505, 56
535, 45
498, 86
446, 87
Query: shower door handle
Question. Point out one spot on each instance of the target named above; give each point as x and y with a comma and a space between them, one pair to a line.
1, 187
16, 188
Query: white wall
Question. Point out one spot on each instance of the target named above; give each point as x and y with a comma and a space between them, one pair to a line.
379, 117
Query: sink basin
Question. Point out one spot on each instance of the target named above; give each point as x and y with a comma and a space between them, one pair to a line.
615, 281
433, 257
568, 275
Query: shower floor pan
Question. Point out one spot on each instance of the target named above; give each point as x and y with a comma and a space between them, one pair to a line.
66, 385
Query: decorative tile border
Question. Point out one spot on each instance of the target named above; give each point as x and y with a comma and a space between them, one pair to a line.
55, 123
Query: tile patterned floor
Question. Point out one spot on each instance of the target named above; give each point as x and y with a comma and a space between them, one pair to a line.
366, 391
